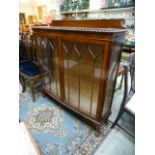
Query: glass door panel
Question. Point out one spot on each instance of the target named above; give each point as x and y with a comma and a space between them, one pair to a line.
82, 70
49, 60
71, 74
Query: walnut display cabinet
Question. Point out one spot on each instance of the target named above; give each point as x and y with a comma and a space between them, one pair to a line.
82, 58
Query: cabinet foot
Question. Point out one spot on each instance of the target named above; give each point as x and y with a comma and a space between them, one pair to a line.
98, 131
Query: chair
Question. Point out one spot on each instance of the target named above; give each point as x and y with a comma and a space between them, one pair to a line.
128, 101
28, 68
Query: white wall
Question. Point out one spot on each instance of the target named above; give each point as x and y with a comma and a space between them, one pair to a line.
127, 14
30, 7
96, 4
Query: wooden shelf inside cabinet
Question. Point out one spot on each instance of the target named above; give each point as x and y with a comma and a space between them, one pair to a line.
82, 58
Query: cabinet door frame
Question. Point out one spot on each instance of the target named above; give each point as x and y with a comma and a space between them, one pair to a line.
104, 70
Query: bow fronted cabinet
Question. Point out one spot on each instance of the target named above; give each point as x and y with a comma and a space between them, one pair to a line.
81, 58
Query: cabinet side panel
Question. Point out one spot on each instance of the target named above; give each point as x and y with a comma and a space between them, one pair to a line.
114, 64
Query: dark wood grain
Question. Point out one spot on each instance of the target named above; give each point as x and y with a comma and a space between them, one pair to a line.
96, 23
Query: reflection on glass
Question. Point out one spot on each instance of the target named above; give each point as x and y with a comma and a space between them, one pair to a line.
47, 82
71, 75
49, 62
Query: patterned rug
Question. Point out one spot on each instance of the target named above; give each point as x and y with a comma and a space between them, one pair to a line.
55, 130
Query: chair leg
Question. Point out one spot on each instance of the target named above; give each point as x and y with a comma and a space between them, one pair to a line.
24, 89
118, 117
22, 81
127, 131
124, 97
121, 82
120, 85
32, 90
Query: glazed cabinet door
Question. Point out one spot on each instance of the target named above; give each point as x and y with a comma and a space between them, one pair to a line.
48, 59
82, 65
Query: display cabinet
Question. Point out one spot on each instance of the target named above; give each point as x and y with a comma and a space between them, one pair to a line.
81, 58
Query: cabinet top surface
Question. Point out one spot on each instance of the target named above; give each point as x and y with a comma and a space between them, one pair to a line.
79, 29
